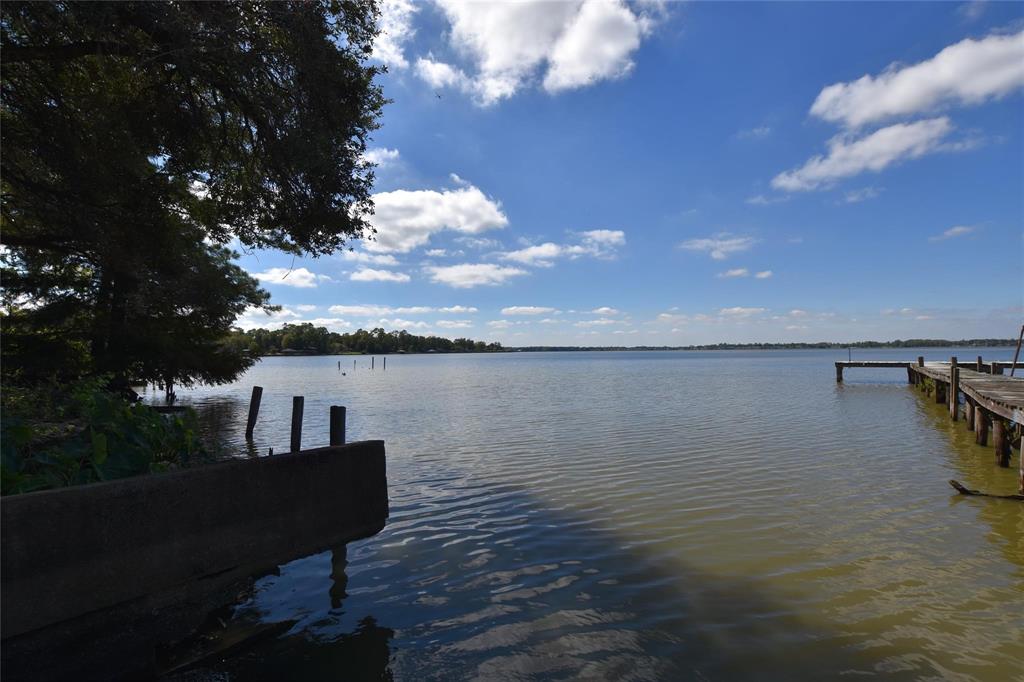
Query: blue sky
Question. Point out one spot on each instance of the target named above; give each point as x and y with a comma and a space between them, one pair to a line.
604, 173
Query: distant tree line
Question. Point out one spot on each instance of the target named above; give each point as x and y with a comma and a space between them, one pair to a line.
908, 343
307, 339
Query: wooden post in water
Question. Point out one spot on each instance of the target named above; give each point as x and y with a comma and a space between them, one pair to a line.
337, 425
977, 367
1001, 441
296, 440
385, 363
910, 376
839, 373
920, 361
981, 421
969, 413
940, 392
371, 361
254, 410
954, 389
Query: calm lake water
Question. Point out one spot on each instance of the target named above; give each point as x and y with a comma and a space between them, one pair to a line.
644, 515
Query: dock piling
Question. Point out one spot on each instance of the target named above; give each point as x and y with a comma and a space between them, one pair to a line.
954, 389
969, 414
839, 373
981, 421
977, 366
337, 425
254, 410
1001, 441
296, 439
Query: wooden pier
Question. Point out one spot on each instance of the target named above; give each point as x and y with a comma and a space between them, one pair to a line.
992, 402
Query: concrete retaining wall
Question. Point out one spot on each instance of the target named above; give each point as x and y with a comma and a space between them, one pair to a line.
68, 553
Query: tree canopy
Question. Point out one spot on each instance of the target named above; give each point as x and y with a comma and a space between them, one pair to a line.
307, 338
138, 137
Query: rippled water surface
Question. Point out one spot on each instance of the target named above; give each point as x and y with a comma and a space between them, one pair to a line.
642, 515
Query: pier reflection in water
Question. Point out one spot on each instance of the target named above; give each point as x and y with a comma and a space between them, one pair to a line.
647, 515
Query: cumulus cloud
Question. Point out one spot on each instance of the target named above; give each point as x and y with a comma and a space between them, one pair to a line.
381, 156
967, 73
371, 275
958, 231
848, 157
735, 272
575, 44
594, 243
454, 324
395, 31
740, 311
719, 246
605, 310
467, 275
764, 274
371, 310
406, 219
374, 258
600, 322
855, 196
398, 323
301, 278
305, 308
527, 310
254, 318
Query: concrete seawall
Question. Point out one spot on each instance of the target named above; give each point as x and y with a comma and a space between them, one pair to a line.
77, 559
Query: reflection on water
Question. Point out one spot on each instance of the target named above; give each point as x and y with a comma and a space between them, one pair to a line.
644, 516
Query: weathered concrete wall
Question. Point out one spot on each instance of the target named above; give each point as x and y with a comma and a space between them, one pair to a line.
66, 554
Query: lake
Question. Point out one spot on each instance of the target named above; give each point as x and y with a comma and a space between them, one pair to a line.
643, 515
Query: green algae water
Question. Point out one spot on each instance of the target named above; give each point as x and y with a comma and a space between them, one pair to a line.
643, 515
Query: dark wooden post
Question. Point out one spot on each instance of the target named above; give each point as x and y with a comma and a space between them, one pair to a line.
254, 410
337, 425
940, 392
839, 373
1001, 441
371, 361
977, 366
954, 389
297, 404
385, 363
920, 361
969, 413
980, 425
910, 376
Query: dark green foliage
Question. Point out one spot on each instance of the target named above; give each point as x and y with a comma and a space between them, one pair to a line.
305, 338
139, 135
53, 438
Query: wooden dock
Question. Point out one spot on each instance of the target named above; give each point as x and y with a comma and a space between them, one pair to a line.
991, 402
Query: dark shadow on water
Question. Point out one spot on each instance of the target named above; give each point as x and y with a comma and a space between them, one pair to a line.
549, 597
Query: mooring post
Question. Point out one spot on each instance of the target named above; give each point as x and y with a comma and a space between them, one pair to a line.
910, 376
337, 425
954, 389
940, 392
981, 421
839, 373
297, 404
977, 367
254, 410
385, 363
920, 361
1001, 441
969, 413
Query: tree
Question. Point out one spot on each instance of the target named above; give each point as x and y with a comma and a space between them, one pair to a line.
133, 131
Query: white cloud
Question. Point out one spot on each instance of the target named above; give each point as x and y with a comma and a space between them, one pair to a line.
600, 322
499, 324
857, 195
735, 272
764, 274
371, 275
371, 310
527, 310
719, 246
381, 156
740, 311
454, 324
796, 312
398, 323
395, 31
305, 308
605, 310
967, 73
405, 219
467, 275
762, 200
436, 253
254, 318
595, 46
958, 231
595, 243
848, 157
363, 257
300, 278
579, 43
